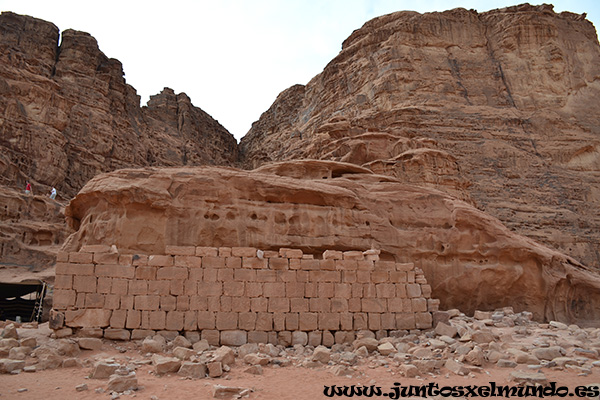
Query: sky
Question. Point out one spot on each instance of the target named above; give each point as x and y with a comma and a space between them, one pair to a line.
233, 57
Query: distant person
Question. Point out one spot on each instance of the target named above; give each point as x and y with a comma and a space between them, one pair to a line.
53, 193
28, 188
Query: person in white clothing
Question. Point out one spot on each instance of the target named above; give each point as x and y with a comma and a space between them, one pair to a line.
53, 193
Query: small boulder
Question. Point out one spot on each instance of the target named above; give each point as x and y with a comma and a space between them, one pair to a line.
321, 354
104, 369
155, 344
164, 365
90, 343
10, 332
181, 341
229, 392
121, 383
183, 353
225, 355
201, 345
192, 370
385, 349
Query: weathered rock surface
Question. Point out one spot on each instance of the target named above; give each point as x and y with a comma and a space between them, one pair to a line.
498, 108
471, 260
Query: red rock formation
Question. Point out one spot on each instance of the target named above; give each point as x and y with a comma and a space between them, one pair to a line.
68, 113
506, 99
471, 260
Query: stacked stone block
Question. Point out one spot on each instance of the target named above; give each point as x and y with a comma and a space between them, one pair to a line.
238, 295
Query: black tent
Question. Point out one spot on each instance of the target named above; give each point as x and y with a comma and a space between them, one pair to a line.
13, 305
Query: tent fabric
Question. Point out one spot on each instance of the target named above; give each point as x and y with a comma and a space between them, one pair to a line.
11, 290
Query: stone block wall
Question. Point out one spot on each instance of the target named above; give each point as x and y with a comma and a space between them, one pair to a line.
237, 295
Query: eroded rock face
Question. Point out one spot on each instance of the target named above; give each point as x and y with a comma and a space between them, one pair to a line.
471, 260
498, 108
68, 113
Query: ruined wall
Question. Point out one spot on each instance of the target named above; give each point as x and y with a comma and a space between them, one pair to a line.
239, 295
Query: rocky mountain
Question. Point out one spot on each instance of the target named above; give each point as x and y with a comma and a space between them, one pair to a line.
68, 113
497, 108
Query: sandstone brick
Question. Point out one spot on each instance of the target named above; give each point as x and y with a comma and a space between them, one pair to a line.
244, 275
157, 319
332, 255
227, 321
62, 257
187, 261
190, 321
339, 305
103, 285
213, 337
81, 258
206, 320
342, 290
176, 287
172, 273
290, 253
180, 250
346, 265
63, 299
209, 275
315, 338
112, 301
311, 289
363, 277
207, 251
196, 274
145, 272
310, 265
139, 334
326, 289
294, 289
126, 302
224, 252
225, 304
319, 305
234, 338
354, 305
346, 322
106, 258
329, 321
299, 305
63, 282
214, 303
386, 290
118, 318
147, 302
213, 262
426, 291
125, 259
413, 290
401, 290
233, 262
254, 263
266, 276
291, 321
279, 264
278, 321
395, 305
94, 300
257, 337
243, 251
253, 289
174, 320
274, 289
405, 321
419, 304
423, 320
225, 275
87, 318
115, 271
380, 276
139, 259
279, 304
247, 321
360, 321
327, 339
374, 305
210, 288
80, 300
240, 304
398, 276
410, 277
133, 319
284, 338
433, 305
353, 255
287, 276
159, 287
168, 303
365, 265
369, 290
198, 303
264, 321
374, 321
137, 287
160, 260
183, 303
74, 269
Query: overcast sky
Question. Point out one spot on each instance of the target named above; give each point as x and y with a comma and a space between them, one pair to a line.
232, 57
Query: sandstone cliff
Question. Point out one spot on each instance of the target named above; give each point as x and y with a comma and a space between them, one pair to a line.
498, 108
470, 259
68, 113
